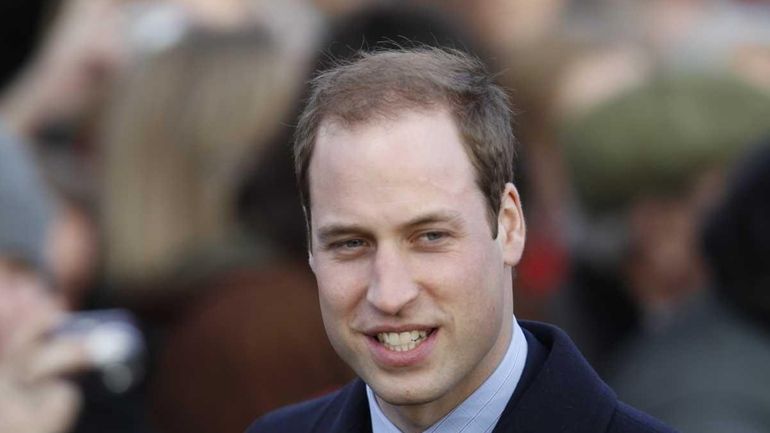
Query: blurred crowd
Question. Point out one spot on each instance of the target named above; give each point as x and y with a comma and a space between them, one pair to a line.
146, 172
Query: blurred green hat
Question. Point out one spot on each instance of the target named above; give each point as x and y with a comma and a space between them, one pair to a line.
655, 138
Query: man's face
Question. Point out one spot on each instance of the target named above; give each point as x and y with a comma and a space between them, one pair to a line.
415, 293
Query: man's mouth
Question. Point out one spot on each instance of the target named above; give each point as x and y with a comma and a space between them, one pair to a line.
403, 341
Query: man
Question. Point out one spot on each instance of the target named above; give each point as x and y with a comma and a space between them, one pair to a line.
404, 162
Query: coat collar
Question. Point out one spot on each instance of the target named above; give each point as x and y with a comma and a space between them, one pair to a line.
352, 409
559, 390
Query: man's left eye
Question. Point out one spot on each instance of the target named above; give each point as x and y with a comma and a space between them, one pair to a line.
433, 236
352, 243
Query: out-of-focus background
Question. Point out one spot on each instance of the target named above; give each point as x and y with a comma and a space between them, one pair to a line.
145, 164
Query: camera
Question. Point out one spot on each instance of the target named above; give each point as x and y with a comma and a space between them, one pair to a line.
114, 343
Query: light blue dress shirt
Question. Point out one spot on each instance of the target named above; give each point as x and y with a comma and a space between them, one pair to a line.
480, 412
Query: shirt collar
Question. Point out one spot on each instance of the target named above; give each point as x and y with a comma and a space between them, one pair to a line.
482, 409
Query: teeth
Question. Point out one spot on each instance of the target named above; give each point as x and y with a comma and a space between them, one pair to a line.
406, 337
402, 341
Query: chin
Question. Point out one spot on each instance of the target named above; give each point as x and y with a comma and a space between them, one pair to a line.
398, 393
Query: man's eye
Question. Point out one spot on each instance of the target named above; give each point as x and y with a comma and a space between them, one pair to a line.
433, 236
353, 243
349, 244
349, 248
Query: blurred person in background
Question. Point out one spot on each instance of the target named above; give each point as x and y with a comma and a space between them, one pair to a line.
235, 310
712, 361
39, 365
35, 394
52, 105
646, 165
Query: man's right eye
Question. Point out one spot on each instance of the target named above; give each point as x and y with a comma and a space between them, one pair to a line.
348, 244
348, 249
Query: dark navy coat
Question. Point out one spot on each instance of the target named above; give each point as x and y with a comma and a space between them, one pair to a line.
558, 393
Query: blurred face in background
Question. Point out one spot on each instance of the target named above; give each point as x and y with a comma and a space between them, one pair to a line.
415, 293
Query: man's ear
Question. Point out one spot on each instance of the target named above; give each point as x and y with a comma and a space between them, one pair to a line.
310, 260
308, 238
511, 231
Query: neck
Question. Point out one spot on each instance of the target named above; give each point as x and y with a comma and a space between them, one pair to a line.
417, 418
411, 419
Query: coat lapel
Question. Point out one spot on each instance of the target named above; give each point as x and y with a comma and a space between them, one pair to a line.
351, 409
559, 391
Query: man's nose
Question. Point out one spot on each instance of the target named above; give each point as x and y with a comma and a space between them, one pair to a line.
392, 286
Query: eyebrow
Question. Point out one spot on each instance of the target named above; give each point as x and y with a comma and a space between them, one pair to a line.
451, 217
332, 231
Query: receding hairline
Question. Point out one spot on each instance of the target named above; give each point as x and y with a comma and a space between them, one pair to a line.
390, 113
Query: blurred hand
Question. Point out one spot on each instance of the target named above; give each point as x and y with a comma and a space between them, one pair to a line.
35, 396
82, 50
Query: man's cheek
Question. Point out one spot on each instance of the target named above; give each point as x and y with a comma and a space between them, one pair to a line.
341, 283
338, 303
335, 295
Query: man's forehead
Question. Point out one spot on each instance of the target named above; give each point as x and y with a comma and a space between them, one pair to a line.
391, 169
427, 141
332, 124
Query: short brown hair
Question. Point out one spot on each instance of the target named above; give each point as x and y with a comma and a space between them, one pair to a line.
382, 84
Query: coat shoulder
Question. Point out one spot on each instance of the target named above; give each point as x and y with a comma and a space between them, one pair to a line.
301, 417
626, 419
